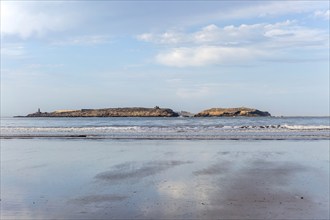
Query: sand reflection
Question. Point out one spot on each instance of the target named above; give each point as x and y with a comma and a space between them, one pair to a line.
134, 170
141, 180
263, 190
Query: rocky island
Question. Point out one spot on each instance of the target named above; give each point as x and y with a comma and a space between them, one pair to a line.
232, 112
151, 112
109, 112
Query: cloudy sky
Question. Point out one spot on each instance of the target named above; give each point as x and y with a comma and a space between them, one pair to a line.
186, 55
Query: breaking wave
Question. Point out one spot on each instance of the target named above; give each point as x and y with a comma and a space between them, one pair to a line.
183, 128
170, 128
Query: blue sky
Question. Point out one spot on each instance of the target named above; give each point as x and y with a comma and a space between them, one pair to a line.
185, 55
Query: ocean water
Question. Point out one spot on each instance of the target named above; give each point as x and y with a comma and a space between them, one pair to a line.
169, 128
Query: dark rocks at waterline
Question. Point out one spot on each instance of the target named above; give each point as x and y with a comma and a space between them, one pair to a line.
185, 114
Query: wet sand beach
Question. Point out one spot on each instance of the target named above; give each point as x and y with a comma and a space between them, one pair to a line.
164, 179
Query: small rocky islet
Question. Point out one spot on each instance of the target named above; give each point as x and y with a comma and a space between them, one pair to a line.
232, 112
152, 112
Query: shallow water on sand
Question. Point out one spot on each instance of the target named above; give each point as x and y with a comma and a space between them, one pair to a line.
182, 179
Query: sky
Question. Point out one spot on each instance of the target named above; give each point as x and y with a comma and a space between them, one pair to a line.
184, 55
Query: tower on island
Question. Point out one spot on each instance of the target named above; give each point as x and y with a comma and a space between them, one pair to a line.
39, 112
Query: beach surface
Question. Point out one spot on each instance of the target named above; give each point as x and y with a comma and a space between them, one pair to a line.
164, 179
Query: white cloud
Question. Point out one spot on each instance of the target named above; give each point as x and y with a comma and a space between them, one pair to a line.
13, 51
221, 45
261, 9
145, 37
288, 31
325, 14
84, 40
205, 55
27, 19
168, 37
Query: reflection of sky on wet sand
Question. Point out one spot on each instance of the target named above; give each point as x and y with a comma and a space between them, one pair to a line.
164, 179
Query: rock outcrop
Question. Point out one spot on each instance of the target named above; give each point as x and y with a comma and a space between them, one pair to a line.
110, 112
232, 112
185, 114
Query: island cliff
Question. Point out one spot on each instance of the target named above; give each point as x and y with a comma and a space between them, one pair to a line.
109, 112
232, 112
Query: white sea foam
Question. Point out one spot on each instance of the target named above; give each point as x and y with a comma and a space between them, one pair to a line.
177, 127
306, 127
129, 129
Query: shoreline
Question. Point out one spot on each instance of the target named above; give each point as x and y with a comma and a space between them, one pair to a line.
99, 137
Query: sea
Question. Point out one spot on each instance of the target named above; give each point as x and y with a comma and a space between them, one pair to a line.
168, 128
165, 168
